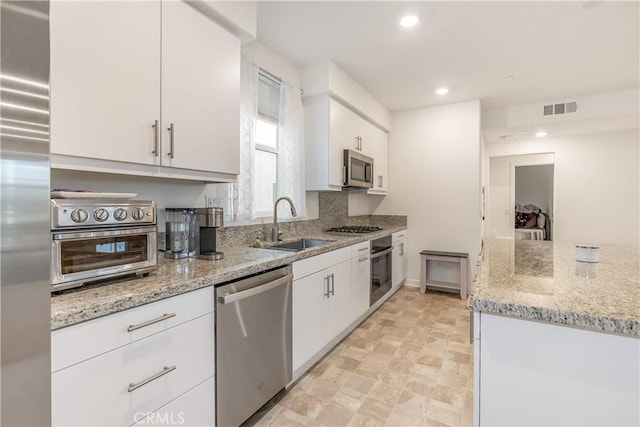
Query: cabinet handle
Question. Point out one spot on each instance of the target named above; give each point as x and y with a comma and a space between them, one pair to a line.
357, 143
165, 371
156, 138
165, 316
380, 180
360, 139
172, 131
364, 258
333, 283
401, 249
470, 307
362, 249
326, 285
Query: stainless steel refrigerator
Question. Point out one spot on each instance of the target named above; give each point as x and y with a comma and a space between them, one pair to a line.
25, 300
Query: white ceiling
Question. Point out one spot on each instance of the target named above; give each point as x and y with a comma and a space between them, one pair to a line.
555, 50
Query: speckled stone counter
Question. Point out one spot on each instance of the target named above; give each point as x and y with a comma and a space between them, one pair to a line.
542, 281
174, 277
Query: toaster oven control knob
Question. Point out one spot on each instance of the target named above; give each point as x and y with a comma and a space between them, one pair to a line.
79, 215
101, 215
137, 214
120, 214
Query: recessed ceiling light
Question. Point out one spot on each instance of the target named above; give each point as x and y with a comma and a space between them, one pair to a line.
409, 21
510, 77
442, 91
541, 134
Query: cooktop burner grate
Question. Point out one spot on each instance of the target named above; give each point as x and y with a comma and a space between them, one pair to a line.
358, 229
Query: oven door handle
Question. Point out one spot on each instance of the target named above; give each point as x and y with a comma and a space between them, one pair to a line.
381, 253
237, 296
75, 235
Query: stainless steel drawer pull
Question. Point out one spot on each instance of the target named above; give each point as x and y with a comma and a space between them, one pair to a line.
151, 322
172, 131
363, 249
333, 284
326, 282
364, 258
156, 138
165, 371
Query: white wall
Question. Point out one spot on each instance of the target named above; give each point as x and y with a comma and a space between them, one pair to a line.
434, 178
597, 190
272, 62
500, 205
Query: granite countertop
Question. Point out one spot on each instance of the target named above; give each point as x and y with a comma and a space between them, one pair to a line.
542, 281
174, 277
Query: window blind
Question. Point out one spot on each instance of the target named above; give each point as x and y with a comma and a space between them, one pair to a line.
268, 97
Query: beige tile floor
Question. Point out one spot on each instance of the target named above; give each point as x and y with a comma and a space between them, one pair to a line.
409, 364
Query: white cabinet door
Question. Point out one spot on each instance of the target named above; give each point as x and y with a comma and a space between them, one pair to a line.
311, 330
340, 298
360, 285
105, 79
378, 146
200, 92
399, 263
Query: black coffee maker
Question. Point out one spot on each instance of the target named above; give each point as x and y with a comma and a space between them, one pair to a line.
209, 219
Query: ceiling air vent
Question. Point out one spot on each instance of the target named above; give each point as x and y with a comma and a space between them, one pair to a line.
554, 109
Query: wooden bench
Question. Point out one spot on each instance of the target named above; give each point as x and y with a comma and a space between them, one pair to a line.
455, 257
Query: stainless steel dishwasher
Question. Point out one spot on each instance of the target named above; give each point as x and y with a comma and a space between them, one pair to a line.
253, 343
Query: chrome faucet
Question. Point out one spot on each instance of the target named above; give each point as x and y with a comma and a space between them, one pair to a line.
275, 229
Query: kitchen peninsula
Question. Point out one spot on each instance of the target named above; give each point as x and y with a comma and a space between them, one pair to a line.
557, 341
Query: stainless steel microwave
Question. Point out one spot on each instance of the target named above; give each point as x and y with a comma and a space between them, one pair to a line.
357, 170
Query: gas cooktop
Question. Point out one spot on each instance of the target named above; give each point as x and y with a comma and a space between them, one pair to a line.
357, 229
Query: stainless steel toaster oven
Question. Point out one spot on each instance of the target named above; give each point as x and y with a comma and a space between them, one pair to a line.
93, 240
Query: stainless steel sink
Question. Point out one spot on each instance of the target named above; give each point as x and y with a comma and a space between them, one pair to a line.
299, 245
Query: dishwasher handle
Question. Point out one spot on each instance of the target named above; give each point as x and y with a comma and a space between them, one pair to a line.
237, 296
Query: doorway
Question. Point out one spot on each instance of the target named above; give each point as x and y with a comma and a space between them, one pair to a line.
533, 194
502, 199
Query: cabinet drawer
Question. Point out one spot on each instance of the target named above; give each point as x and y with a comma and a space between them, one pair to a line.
398, 235
80, 342
100, 391
360, 249
314, 264
195, 408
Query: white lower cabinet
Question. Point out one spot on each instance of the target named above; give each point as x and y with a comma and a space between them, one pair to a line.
320, 301
542, 374
330, 292
162, 364
399, 258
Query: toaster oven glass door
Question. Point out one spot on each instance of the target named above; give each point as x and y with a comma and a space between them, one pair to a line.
101, 252
82, 256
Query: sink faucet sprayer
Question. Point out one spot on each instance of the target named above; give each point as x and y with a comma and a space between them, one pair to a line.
274, 229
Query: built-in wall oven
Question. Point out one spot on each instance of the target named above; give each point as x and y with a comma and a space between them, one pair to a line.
100, 239
380, 268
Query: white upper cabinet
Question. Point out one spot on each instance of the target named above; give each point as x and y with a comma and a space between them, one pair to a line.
377, 146
124, 73
331, 128
200, 92
105, 79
